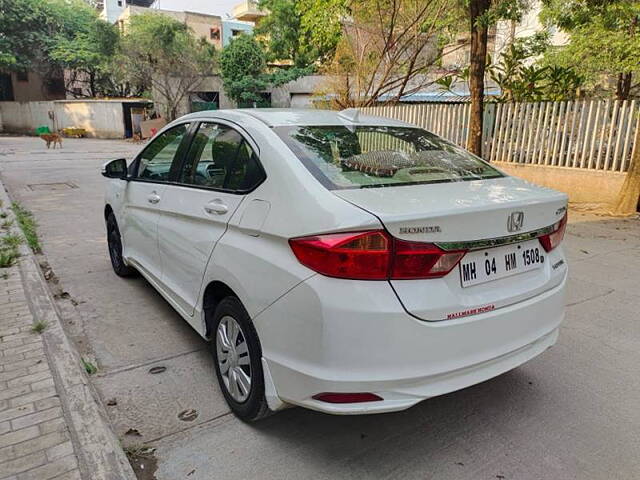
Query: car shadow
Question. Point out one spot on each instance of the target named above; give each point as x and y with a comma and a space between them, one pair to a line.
383, 442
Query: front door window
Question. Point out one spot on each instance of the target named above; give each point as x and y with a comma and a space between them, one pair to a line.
155, 161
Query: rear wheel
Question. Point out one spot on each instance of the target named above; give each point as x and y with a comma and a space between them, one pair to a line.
238, 360
115, 249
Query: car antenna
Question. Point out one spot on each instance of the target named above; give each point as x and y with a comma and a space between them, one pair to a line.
351, 114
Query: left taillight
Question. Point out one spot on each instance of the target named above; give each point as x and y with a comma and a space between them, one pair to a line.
373, 255
359, 256
553, 239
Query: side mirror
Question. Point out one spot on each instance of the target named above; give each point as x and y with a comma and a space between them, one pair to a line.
115, 169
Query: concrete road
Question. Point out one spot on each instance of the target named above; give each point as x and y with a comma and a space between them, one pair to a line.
572, 413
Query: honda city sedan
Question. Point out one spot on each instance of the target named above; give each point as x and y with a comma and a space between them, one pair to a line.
340, 262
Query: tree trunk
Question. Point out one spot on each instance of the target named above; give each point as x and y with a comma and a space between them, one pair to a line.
92, 84
623, 86
477, 63
627, 202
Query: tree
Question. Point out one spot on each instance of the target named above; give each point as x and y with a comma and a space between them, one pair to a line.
47, 36
87, 56
282, 34
483, 14
478, 10
243, 69
321, 23
163, 53
520, 80
604, 39
627, 201
386, 50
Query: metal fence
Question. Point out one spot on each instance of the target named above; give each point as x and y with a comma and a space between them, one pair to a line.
590, 134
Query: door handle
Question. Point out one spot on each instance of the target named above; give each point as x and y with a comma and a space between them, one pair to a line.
216, 206
153, 198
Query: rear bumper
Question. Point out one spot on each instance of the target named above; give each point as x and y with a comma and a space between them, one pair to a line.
360, 339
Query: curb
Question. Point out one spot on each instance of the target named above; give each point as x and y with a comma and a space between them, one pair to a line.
100, 455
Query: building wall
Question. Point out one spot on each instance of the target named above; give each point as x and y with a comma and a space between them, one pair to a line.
200, 23
100, 118
229, 27
112, 9
590, 188
203, 25
507, 31
248, 11
33, 88
302, 89
25, 117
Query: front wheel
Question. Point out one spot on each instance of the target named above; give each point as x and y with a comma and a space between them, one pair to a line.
115, 249
238, 360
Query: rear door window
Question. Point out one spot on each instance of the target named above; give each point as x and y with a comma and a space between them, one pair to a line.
377, 156
220, 158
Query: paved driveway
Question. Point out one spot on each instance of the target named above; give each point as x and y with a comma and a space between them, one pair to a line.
571, 413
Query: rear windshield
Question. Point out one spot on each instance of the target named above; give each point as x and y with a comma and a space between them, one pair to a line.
343, 157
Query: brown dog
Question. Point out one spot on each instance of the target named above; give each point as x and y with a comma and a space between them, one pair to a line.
52, 138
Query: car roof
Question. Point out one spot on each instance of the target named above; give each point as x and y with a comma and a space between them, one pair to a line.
277, 117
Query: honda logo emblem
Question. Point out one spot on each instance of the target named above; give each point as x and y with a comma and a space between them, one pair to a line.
515, 221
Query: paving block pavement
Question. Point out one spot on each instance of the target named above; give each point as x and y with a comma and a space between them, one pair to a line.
52, 425
35, 441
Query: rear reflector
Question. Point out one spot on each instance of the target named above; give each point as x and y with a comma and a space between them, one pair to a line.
332, 397
553, 239
373, 255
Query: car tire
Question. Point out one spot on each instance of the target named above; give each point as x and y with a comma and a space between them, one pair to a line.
237, 356
114, 242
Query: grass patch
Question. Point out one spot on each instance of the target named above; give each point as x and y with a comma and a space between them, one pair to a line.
39, 327
4, 275
11, 241
8, 257
89, 367
6, 225
4, 214
28, 225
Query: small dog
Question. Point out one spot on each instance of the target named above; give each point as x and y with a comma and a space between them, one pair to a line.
52, 138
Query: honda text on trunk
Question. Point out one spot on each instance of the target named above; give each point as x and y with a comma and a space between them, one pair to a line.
340, 262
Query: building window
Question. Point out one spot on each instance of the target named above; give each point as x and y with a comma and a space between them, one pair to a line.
22, 76
235, 33
264, 102
119, 3
6, 88
204, 101
214, 33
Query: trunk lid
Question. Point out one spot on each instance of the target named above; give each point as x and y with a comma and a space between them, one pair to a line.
473, 211
459, 211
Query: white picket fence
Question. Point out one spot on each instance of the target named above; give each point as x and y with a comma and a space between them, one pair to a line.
591, 134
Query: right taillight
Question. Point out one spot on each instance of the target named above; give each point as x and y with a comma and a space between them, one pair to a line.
413, 260
373, 255
553, 239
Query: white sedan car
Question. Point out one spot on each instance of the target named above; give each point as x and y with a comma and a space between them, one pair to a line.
340, 262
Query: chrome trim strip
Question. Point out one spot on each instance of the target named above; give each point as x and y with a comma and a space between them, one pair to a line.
495, 242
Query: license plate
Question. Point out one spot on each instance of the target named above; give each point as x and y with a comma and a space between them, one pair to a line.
487, 265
